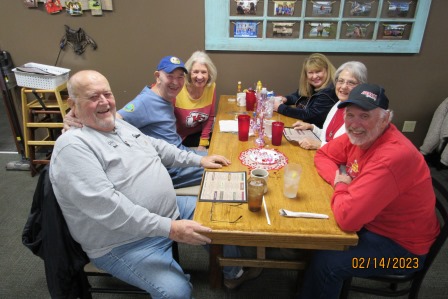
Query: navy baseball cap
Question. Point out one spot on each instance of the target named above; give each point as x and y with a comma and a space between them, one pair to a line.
169, 63
368, 97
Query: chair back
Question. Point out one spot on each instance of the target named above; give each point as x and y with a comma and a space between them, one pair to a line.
442, 209
416, 278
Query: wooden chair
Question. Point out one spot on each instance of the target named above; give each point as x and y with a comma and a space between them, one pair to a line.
399, 285
42, 112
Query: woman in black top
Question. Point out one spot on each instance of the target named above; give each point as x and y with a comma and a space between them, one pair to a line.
315, 96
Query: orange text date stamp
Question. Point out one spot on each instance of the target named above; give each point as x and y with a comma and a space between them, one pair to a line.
385, 263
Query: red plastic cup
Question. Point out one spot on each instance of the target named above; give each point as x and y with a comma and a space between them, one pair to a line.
277, 132
251, 99
243, 127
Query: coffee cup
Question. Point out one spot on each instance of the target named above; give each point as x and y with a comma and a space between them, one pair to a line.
261, 173
241, 99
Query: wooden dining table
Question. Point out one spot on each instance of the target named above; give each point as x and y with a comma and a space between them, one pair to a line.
234, 224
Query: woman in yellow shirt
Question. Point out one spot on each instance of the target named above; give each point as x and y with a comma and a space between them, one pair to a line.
194, 106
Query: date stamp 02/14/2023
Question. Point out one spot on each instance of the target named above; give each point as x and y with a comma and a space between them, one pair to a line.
385, 263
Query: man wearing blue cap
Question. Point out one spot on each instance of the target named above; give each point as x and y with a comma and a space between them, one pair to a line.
385, 195
152, 112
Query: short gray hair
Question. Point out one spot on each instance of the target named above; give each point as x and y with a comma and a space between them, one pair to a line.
383, 114
356, 68
202, 58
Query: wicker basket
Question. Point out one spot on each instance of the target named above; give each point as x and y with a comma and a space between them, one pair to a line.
39, 81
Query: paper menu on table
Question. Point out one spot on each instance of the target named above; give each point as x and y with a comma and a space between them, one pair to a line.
223, 186
292, 134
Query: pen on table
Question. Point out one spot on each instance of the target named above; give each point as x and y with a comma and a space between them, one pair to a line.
266, 211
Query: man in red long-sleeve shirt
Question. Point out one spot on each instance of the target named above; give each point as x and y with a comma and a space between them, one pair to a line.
385, 195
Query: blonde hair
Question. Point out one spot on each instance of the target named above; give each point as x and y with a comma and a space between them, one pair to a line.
315, 61
202, 58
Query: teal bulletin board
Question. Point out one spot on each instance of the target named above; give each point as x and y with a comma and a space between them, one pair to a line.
363, 26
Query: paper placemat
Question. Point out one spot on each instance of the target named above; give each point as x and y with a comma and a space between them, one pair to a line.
268, 159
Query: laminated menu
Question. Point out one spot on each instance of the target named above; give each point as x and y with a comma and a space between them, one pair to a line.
294, 135
223, 186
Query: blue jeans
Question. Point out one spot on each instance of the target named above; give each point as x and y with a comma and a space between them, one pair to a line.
187, 176
328, 269
149, 264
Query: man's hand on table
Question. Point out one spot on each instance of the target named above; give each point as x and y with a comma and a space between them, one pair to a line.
214, 161
189, 232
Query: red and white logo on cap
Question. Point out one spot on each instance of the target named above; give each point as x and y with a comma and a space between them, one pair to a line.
175, 60
369, 94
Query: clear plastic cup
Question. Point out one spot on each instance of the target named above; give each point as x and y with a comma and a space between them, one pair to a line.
291, 178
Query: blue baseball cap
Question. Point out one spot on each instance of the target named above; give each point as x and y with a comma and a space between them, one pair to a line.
169, 63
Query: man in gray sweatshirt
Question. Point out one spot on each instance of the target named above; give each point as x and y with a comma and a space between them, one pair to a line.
117, 197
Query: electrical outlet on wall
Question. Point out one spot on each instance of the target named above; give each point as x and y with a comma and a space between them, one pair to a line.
409, 126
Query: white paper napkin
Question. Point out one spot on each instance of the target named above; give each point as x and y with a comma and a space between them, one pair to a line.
231, 126
228, 126
287, 213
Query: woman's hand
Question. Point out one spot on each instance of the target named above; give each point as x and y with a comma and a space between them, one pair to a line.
309, 144
301, 125
278, 103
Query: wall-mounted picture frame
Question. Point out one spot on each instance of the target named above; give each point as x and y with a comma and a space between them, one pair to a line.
398, 9
319, 30
246, 7
74, 8
360, 8
284, 8
322, 8
293, 8
282, 29
31, 3
356, 30
393, 31
245, 29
